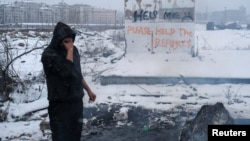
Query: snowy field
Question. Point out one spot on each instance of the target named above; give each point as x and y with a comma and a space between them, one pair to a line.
222, 53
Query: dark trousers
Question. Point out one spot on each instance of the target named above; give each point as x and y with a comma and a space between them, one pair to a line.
66, 120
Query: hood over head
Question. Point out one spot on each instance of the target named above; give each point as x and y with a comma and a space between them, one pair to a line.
60, 32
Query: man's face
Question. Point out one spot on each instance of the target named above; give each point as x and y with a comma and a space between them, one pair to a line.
66, 41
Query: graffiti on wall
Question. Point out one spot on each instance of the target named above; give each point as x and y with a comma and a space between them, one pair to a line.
167, 10
159, 23
164, 37
173, 15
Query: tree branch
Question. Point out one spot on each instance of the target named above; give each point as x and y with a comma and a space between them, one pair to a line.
7, 66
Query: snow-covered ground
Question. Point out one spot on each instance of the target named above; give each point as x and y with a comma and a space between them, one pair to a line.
222, 53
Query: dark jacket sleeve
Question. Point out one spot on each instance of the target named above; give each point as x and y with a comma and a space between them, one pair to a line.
77, 62
56, 64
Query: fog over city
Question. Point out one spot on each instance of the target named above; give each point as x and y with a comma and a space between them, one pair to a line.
201, 5
108, 4
220, 5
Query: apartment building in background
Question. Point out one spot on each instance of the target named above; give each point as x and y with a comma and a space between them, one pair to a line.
29, 12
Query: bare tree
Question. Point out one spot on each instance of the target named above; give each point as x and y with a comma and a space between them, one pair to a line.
9, 76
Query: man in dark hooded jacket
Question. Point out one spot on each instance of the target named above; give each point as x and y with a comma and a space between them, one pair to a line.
65, 84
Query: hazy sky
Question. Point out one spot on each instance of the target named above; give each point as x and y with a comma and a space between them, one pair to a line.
219, 5
201, 5
111, 4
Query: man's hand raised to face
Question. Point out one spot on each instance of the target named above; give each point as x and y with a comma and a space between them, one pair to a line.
68, 44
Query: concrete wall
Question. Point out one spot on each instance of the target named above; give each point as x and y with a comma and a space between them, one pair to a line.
107, 80
156, 26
